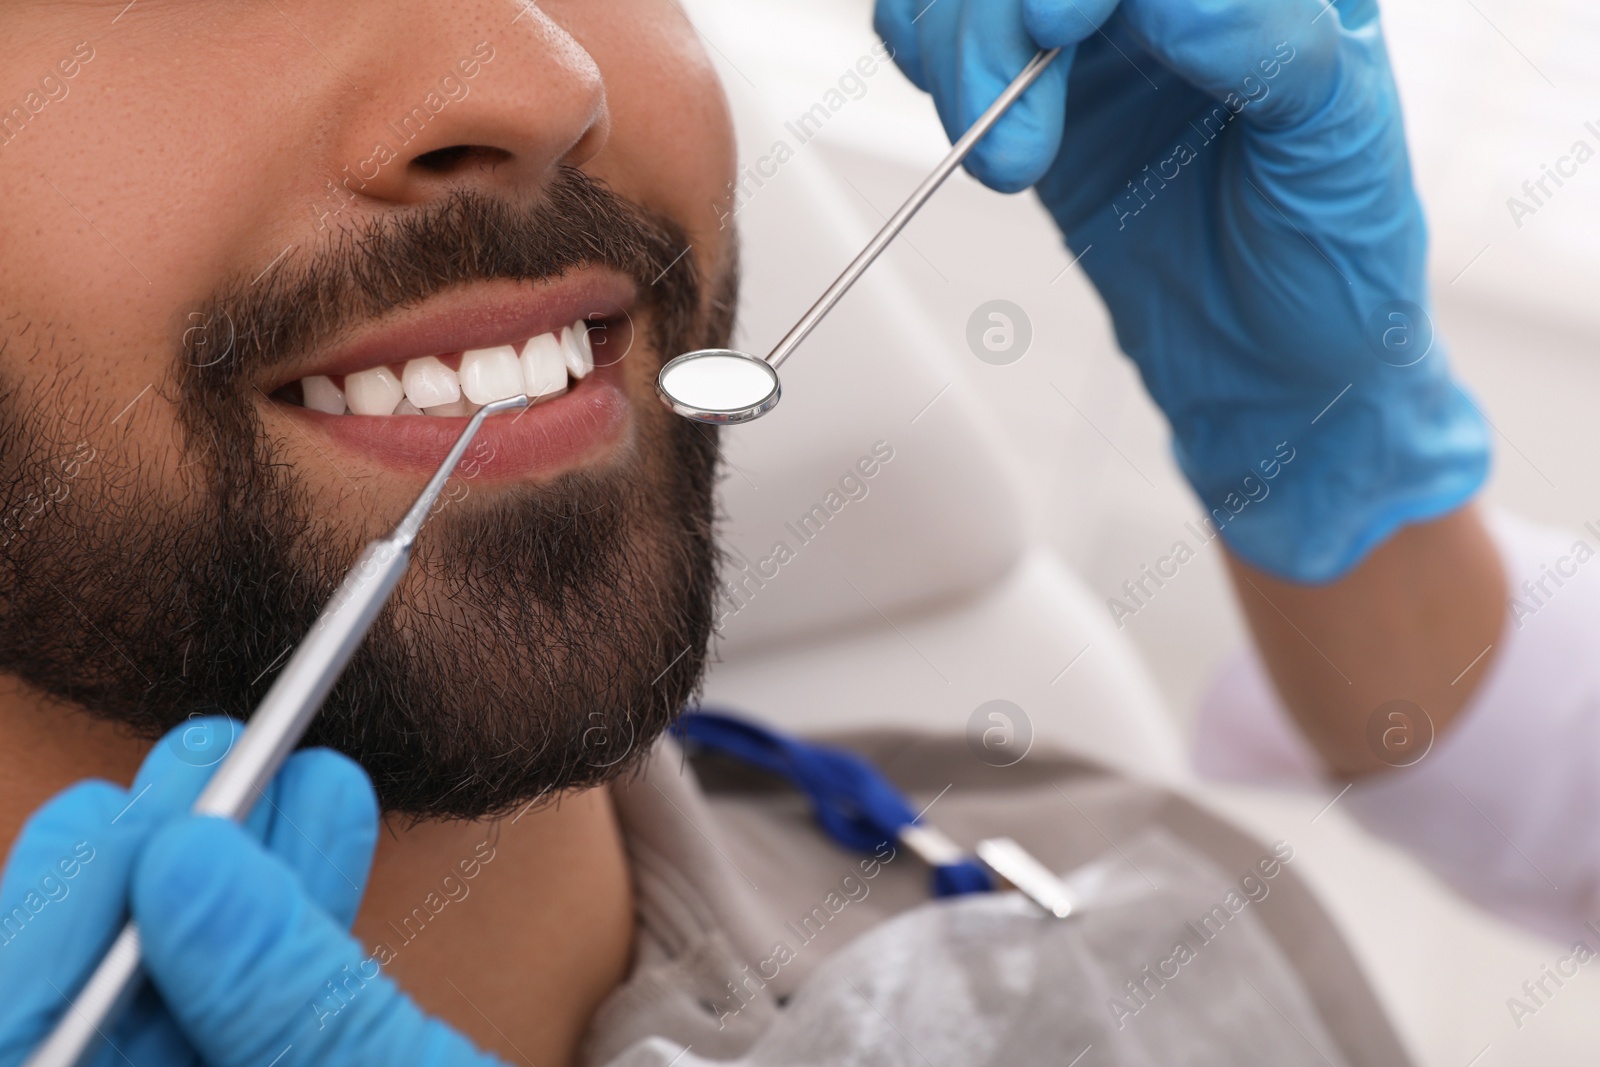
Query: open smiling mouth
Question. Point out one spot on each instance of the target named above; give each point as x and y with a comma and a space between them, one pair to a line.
399, 392
454, 385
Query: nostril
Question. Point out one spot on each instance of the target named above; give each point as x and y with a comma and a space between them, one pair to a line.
455, 157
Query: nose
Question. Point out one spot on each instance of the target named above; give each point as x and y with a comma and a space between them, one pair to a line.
485, 98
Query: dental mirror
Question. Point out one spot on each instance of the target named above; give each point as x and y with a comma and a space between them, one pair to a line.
723, 386
719, 385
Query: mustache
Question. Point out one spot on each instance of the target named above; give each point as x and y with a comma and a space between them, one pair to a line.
374, 266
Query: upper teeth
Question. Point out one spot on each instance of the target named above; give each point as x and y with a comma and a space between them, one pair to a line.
427, 385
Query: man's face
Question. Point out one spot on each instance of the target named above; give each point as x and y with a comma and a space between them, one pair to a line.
216, 213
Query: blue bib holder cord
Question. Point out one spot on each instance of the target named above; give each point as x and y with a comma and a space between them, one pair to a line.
851, 799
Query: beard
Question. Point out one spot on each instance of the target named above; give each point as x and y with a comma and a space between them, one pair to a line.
544, 635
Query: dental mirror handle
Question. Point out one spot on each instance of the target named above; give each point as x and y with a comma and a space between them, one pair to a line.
958, 152
279, 722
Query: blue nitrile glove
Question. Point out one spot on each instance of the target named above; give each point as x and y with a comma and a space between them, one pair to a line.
240, 939
1234, 175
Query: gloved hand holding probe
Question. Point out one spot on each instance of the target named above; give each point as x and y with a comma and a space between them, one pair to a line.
244, 928
1234, 178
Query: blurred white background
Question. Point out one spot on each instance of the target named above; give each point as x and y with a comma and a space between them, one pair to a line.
1493, 90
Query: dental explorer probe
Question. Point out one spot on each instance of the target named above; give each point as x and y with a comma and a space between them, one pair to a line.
723, 385
280, 720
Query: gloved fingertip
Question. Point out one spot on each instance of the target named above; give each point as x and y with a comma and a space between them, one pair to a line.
77, 807
1017, 152
66, 828
1015, 155
1006, 171
1354, 14
333, 779
201, 741
324, 825
899, 34
178, 766
1055, 24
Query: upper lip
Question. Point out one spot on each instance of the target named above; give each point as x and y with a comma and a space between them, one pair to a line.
479, 315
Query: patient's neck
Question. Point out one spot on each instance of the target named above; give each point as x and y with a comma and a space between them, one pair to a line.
512, 931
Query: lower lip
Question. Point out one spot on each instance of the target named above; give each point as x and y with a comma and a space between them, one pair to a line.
550, 438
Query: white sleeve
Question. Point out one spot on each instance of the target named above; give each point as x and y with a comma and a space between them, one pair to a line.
1506, 804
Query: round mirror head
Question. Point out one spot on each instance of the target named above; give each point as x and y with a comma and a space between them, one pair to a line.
719, 386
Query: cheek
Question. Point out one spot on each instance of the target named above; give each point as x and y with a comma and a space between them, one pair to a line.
112, 227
